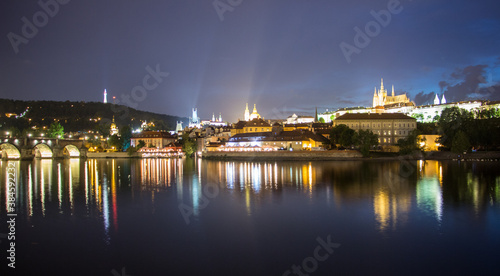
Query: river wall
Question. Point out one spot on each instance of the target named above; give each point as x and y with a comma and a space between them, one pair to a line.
284, 155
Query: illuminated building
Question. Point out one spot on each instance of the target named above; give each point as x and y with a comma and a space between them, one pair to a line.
380, 97
113, 129
390, 127
105, 97
254, 115
157, 139
274, 140
194, 121
256, 125
299, 119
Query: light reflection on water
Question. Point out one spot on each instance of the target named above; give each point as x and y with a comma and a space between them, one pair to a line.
97, 183
352, 200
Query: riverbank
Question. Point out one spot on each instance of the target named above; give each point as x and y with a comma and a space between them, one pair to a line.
349, 155
284, 155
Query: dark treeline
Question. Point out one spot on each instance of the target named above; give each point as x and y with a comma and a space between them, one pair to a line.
77, 116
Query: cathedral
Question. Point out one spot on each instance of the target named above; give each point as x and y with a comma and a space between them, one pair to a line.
254, 115
380, 97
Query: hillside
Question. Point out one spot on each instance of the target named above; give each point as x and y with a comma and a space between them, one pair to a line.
78, 116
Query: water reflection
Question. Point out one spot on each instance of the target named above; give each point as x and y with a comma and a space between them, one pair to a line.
95, 188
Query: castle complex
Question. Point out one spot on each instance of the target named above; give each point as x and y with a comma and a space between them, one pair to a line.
380, 97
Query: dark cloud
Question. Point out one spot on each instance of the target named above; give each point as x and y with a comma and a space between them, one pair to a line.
423, 98
443, 85
467, 87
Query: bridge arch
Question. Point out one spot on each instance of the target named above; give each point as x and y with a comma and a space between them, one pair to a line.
71, 151
9, 151
42, 151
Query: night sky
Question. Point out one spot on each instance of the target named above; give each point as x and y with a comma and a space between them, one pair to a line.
283, 55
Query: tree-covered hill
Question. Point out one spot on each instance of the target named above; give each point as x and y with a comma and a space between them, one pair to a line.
77, 116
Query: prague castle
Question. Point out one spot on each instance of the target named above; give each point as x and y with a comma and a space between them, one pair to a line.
380, 97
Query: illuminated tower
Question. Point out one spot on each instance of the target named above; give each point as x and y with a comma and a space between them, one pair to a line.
220, 117
443, 100
195, 115
247, 114
105, 96
213, 117
179, 126
436, 99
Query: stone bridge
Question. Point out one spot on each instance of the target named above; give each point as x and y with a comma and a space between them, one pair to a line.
28, 148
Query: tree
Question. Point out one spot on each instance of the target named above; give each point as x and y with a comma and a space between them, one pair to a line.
410, 144
452, 120
460, 142
55, 130
140, 144
321, 120
342, 134
188, 145
347, 137
366, 139
125, 134
418, 116
115, 141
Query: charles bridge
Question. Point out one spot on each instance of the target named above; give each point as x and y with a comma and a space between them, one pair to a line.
27, 148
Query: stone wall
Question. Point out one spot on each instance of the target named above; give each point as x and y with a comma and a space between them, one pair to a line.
284, 155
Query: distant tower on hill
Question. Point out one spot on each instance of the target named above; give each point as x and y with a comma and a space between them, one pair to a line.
443, 100
105, 96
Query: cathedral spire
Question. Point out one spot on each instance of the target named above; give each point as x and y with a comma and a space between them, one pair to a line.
393, 90
382, 84
247, 113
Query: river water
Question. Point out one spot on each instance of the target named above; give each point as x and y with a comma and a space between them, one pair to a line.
202, 217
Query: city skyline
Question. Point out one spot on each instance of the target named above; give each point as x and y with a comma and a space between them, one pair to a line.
286, 57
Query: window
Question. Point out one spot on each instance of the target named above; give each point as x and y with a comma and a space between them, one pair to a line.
389, 140
250, 129
385, 140
262, 129
389, 132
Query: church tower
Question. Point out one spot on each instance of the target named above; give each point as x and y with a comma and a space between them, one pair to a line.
247, 114
105, 96
220, 117
393, 90
179, 126
213, 117
443, 100
436, 99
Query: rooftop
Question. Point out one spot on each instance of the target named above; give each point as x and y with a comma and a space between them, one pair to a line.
374, 116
